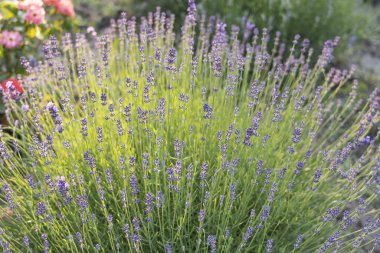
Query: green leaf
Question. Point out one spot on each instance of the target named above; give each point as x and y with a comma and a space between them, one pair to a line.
8, 10
7, 14
2, 107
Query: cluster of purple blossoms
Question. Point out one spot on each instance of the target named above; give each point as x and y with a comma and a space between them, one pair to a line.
207, 111
63, 186
54, 113
297, 135
41, 210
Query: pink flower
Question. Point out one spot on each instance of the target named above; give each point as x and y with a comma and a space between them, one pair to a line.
65, 7
35, 14
49, 2
25, 4
10, 39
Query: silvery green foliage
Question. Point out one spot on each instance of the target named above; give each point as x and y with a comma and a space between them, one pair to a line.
131, 141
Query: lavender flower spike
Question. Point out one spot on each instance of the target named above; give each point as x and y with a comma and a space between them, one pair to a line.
54, 113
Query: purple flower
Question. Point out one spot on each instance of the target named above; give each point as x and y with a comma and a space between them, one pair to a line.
211, 242
203, 174
79, 238
247, 235
233, 192
269, 245
100, 134
202, 214
8, 196
127, 113
160, 199
249, 132
259, 168
82, 202
178, 147
49, 183
297, 135
132, 161
192, 12
189, 173
41, 210
136, 224
171, 57
268, 173
317, 175
46, 243
84, 127
265, 213
149, 203
168, 248
30, 181
208, 111
308, 154
89, 159
103, 98
298, 168
366, 140
282, 173
177, 169
4, 153
119, 126
133, 183
54, 113
109, 176
126, 229
298, 242
227, 234
171, 177
26, 241
109, 218
62, 186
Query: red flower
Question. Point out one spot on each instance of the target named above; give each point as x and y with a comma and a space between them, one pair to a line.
12, 87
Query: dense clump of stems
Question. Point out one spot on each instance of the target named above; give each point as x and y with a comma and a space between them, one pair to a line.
142, 140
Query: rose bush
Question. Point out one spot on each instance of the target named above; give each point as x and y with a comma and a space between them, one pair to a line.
25, 24
23, 27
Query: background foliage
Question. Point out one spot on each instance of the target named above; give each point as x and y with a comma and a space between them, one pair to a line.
317, 20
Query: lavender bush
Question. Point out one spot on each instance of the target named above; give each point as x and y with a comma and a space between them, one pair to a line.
143, 141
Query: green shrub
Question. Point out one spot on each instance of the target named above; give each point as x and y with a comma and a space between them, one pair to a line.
317, 20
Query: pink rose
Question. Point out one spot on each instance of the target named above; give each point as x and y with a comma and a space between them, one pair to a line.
35, 14
65, 7
10, 39
25, 4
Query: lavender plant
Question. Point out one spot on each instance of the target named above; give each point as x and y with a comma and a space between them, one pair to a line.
144, 141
